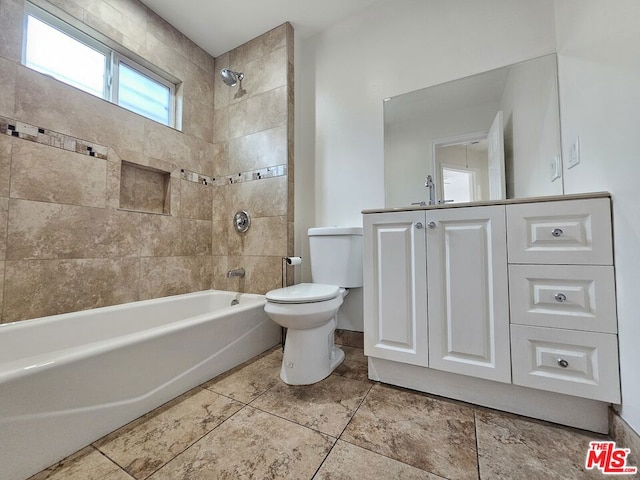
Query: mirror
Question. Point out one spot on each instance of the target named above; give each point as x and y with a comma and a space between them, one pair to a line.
488, 136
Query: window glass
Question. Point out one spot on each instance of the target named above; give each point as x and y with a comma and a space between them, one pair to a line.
55, 53
141, 94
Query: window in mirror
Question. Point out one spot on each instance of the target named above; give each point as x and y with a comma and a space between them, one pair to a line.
56, 48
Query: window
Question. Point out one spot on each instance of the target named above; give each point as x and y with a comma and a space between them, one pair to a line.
55, 48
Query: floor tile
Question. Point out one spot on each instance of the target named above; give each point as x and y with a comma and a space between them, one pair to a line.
87, 464
248, 381
251, 445
326, 406
348, 462
432, 434
355, 364
146, 444
516, 447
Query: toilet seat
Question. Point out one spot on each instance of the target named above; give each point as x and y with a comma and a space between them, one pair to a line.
303, 293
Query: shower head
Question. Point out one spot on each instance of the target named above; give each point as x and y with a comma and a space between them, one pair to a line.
230, 77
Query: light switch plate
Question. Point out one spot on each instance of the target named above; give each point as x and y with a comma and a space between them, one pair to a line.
554, 171
574, 154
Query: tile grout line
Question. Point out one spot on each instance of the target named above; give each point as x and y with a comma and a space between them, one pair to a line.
112, 461
475, 429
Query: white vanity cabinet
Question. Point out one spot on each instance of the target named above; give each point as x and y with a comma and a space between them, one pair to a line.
395, 287
468, 304
562, 296
510, 305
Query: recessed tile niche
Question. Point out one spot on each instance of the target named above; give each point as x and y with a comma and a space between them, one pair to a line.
144, 189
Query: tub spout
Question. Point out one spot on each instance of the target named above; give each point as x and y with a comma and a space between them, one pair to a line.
238, 272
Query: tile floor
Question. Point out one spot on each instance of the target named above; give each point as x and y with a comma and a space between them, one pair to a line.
247, 424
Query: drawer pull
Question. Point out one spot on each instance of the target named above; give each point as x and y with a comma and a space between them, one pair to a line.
556, 232
418, 225
563, 363
560, 297
431, 225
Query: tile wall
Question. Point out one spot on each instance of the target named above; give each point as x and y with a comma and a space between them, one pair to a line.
65, 242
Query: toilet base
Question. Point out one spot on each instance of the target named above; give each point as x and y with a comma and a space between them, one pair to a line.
310, 355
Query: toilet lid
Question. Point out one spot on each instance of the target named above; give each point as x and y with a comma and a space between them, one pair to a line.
303, 293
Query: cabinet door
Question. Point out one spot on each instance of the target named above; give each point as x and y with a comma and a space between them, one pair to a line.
468, 299
395, 287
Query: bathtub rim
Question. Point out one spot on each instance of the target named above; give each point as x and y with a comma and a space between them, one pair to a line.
27, 366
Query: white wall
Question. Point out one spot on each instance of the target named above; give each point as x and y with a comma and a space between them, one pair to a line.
599, 68
391, 48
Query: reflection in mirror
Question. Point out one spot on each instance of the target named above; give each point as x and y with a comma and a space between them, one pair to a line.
489, 136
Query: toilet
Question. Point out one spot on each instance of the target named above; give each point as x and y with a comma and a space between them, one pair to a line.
308, 310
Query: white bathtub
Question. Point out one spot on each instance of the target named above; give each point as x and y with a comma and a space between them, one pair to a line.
67, 380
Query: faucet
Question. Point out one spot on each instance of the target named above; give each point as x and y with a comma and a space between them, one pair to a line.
238, 272
428, 182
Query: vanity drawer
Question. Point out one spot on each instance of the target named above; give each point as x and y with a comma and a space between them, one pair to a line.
583, 364
576, 297
561, 233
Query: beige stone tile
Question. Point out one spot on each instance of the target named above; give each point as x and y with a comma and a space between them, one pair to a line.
175, 190
326, 406
197, 119
40, 99
198, 84
1, 289
262, 112
221, 125
220, 230
37, 288
263, 446
220, 159
262, 274
221, 91
134, 12
8, 82
102, 25
11, 24
48, 230
347, 462
262, 74
349, 338
164, 276
219, 267
291, 237
263, 149
625, 437
248, 381
4, 216
87, 464
290, 197
144, 189
355, 364
112, 192
261, 198
220, 203
266, 237
263, 45
196, 200
290, 38
5, 164
128, 23
516, 447
69, 6
435, 435
161, 55
48, 174
167, 236
128, 186
149, 442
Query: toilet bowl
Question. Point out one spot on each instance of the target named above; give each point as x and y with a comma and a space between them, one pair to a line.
309, 310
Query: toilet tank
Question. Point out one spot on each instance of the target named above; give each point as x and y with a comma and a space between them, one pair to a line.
336, 256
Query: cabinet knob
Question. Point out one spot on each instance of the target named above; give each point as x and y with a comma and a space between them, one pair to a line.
418, 225
431, 224
556, 232
563, 363
560, 297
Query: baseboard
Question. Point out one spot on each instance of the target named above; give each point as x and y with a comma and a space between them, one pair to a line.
625, 437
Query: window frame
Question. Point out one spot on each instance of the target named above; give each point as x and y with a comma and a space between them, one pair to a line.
113, 59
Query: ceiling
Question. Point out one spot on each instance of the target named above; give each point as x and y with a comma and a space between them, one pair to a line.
222, 25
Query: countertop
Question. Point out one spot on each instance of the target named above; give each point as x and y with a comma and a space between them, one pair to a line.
508, 201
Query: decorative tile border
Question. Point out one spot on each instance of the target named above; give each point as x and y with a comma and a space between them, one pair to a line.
49, 137
260, 174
